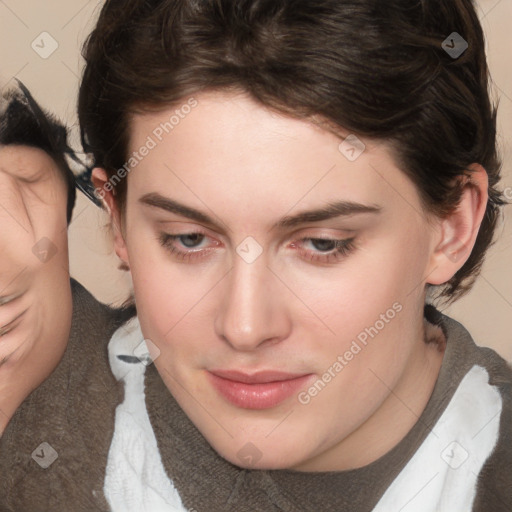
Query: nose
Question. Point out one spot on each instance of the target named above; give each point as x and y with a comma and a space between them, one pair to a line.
252, 311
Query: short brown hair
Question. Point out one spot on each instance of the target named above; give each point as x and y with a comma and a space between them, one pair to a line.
374, 68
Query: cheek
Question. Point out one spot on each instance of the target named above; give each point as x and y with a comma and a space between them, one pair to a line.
370, 309
166, 295
376, 279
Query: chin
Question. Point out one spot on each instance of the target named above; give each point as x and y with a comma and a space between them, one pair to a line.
249, 456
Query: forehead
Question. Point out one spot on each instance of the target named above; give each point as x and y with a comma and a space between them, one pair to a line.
229, 150
27, 163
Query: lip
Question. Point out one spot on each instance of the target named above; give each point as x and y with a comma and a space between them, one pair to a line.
260, 390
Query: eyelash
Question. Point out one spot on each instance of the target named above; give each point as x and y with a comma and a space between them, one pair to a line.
342, 248
9, 327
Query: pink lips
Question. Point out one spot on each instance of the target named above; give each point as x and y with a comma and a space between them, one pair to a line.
261, 390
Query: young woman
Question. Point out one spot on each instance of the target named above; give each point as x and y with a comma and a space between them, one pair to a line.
290, 184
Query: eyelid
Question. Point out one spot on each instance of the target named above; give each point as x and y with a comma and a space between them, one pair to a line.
344, 247
7, 328
7, 299
296, 236
186, 228
320, 232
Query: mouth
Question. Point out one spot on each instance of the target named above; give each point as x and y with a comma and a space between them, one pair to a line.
260, 390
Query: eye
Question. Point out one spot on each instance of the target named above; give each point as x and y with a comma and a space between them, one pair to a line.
7, 328
191, 247
325, 250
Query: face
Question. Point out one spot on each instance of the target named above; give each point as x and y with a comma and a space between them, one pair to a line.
35, 296
281, 277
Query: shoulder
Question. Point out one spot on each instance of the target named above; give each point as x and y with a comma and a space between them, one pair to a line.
494, 484
465, 458
85, 368
494, 487
89, 313
69, 418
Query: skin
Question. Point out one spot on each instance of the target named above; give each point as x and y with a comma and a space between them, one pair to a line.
35, 292
247, 167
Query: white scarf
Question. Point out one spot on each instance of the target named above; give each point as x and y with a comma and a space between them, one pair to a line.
440, 477
135, 479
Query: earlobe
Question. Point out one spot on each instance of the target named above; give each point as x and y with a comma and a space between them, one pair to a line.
105, 192
459, 230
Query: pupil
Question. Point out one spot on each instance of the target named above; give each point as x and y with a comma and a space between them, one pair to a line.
191, 240
323, 245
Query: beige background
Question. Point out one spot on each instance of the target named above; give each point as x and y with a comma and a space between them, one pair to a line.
54, 81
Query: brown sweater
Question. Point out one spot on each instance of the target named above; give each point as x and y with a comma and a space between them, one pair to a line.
73, 411
208, 483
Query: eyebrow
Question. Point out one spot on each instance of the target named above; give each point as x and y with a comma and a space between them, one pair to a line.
331, 210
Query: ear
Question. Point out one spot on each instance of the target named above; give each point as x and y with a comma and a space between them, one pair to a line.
459, 230
105, 192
